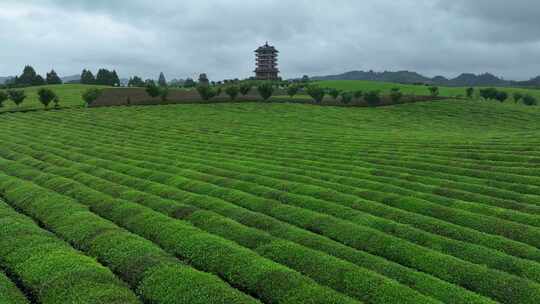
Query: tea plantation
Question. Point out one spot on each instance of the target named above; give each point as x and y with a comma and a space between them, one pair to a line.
433, 202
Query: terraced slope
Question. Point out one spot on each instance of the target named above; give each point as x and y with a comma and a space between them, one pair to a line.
277, 203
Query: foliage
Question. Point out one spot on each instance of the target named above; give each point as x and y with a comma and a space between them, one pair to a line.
91, 95
152, 89
56, 101
163, 93
87, 77
265, 90
292, 90
46, 96
305, 79
396, 95
489, 93
29, 77
17, 96
469, 92
190, 83
162, 82
529, 100
3, 97
203, 80
517, 96
232, 91
206, 92
434, 91
245, 87
136, 81
501, 96
334, 93
316, 92
358, 94
53, 78
108, 78
373, 98
346, 97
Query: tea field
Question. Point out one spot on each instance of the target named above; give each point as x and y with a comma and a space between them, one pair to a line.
271, 203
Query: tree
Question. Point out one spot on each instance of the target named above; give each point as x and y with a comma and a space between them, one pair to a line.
87, 77
152, 89
396, 95
136, 81
292, 90
27, 78
56, 101
164, 93
373, 98
189, 83
46, 96
305, 79
52, 78
434, 91
17, 96
488, 93
517, 96
38, 81
162, 82
501, 96
529, 100
266, 90
316, 93
3, 97
245, 88
358, 94
346, 97
334, 93
469, 92
206, 92
232, 91
203, 79
114, 79
90, 95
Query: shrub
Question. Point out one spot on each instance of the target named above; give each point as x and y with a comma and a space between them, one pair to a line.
469, 92
265, 90
90, 95
56, 101
517, 96
529, 100
334, 93
46, 96
396, 95
232, 91
346, 97
373, 98
206, 92
292, 90
501, 96
3, 97
316, 93
434, 91
152, 89
164, 93
358, 94
17, 96
488, 93
245, 88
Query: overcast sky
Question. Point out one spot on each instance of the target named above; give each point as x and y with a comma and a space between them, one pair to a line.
315, 37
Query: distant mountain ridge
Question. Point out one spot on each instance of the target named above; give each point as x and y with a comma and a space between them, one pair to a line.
408, 77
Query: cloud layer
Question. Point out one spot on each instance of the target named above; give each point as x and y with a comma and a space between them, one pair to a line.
185, 38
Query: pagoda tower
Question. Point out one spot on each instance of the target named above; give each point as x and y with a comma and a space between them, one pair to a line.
266, 63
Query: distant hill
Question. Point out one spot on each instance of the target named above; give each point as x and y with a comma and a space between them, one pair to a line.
408, 77
71, 79
4, 79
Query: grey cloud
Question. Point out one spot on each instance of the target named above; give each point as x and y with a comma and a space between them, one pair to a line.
184, 38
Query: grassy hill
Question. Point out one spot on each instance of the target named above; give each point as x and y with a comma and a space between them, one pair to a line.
272, 203
70, 95
353, 85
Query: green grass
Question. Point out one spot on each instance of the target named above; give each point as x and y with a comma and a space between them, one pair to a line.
284, 203
70, 96
385, 87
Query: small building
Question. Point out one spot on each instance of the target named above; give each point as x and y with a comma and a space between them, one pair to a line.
266, 63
